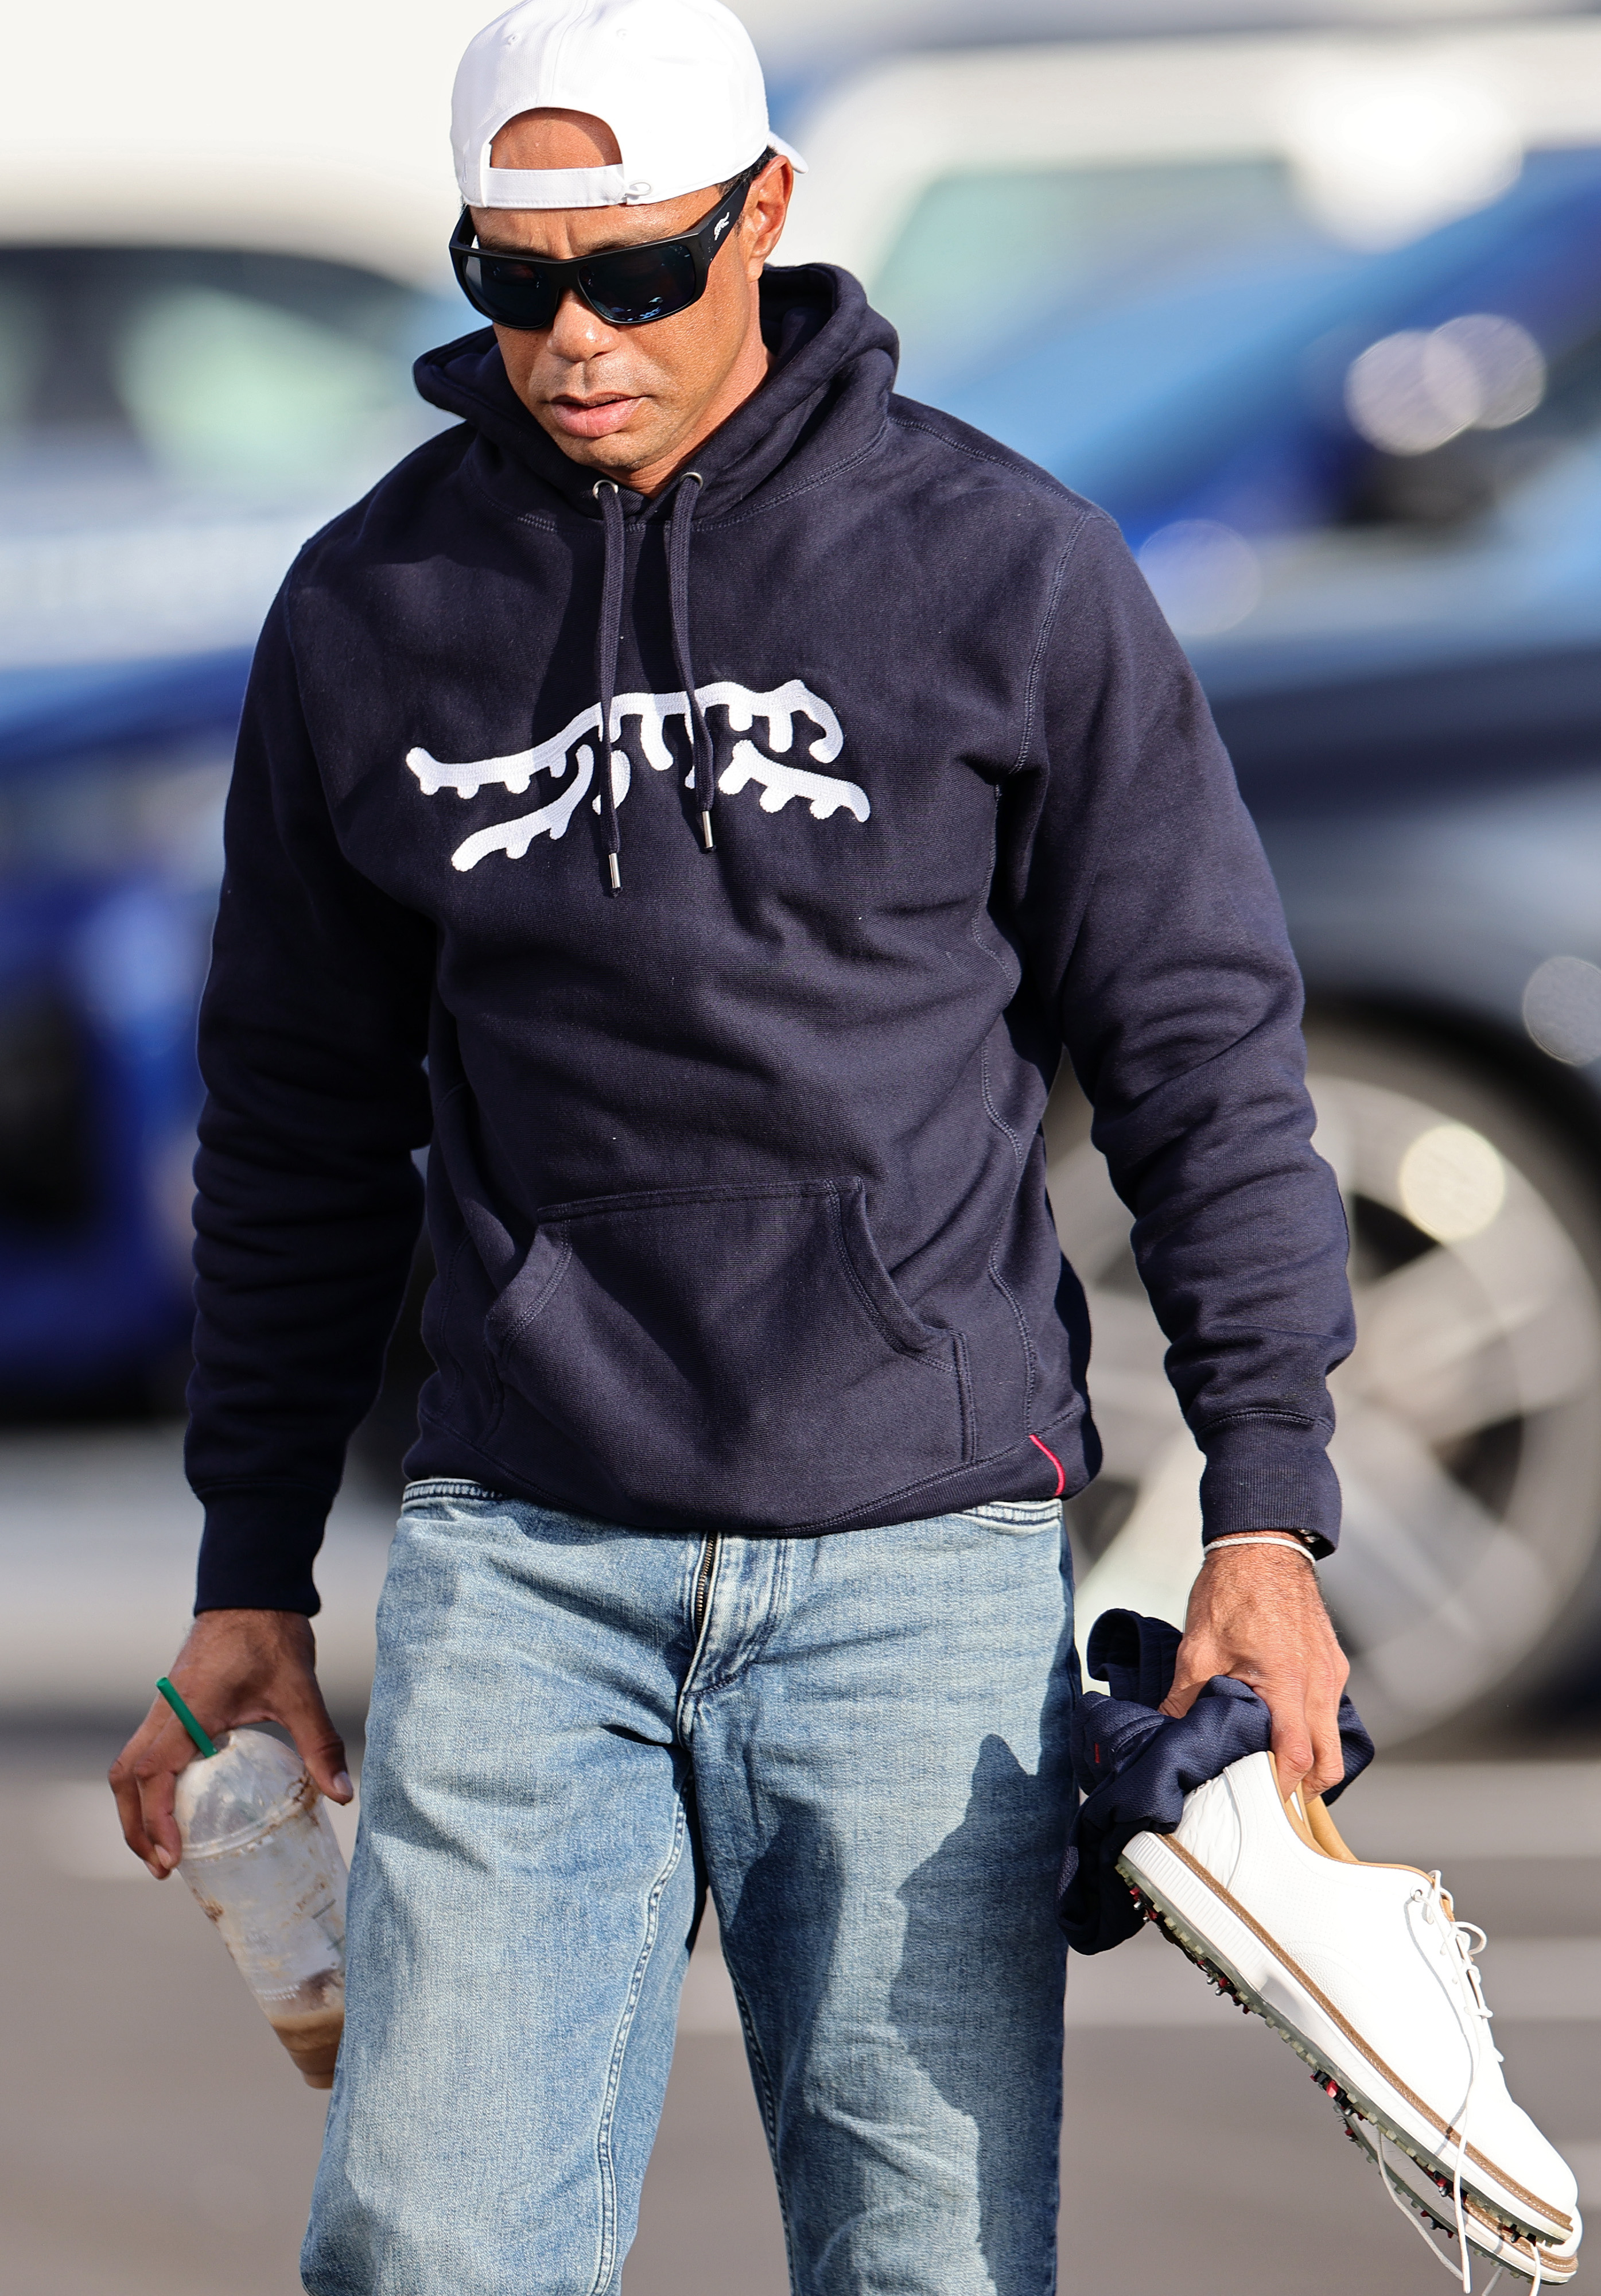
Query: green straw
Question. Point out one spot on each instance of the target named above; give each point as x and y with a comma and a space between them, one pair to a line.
185, 1717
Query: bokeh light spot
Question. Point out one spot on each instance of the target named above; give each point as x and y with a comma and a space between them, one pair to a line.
1562, 1009
1451, 1183
1382, 155
1411, 392
1206, 575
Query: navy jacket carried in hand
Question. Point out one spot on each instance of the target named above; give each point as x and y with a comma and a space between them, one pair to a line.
1136, 1765
736, 1186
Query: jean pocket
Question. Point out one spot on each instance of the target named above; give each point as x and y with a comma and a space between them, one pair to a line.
738, 1353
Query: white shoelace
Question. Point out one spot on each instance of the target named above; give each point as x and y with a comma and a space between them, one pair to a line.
1403, 2200
1469, 1942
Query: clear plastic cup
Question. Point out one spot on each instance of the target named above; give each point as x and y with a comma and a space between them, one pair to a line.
262, 1860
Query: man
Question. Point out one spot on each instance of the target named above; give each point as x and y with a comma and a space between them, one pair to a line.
737, 784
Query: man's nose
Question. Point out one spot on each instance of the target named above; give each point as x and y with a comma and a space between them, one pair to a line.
578, 333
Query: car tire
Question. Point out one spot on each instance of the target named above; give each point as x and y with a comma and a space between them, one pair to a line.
1468, 1442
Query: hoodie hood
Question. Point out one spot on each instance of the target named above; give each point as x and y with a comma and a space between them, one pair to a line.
826, 398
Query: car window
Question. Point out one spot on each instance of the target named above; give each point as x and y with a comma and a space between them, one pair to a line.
1060, 246
226, 372
222, 388
173, 423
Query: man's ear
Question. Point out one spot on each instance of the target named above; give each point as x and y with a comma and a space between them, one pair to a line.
766, 208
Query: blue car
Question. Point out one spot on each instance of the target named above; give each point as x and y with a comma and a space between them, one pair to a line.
1222, 392
112, 788
173, 423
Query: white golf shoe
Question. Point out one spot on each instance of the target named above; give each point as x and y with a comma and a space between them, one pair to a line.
1367, 1972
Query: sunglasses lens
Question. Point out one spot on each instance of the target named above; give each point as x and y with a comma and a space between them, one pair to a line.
630, 287
627, 287
514, 294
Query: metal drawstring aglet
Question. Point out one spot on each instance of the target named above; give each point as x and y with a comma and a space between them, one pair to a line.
706, 830
616, 874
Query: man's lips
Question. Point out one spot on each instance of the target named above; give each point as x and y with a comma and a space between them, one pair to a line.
591, 418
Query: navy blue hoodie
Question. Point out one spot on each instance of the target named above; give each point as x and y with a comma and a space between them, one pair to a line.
736, 1186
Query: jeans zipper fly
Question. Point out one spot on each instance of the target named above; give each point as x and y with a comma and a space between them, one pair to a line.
703, 1583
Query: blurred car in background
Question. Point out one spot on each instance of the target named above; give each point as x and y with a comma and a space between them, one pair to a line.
1319, 318
207, 325
174, 422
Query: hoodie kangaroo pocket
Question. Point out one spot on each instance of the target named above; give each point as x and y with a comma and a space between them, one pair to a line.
732, 1355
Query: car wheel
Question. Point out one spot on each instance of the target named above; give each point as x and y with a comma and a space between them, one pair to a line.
1468, 1443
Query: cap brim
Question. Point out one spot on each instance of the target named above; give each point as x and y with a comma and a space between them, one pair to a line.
786, 151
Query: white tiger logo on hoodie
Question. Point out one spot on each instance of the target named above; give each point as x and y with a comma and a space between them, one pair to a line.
778, 782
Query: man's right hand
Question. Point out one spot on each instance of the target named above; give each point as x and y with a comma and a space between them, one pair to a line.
236, 1667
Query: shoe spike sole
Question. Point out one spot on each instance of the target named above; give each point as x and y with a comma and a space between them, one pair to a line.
1349, 2103
1495, 2241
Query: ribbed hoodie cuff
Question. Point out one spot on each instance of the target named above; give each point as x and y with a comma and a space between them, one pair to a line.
258, 1546
1271, 1474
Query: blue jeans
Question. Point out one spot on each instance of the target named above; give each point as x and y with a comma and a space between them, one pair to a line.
859, 1743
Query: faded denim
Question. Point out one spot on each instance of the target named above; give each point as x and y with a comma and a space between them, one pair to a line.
863, 1757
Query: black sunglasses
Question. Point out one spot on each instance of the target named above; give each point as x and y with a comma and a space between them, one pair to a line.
627, 286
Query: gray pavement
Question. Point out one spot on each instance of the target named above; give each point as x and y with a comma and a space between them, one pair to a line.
155, 2141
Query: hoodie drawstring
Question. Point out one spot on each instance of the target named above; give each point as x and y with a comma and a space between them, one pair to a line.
608, 640
701, 768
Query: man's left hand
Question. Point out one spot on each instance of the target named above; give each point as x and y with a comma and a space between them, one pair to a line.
1256, 1612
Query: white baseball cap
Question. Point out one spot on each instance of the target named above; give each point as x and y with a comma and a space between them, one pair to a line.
676, 81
